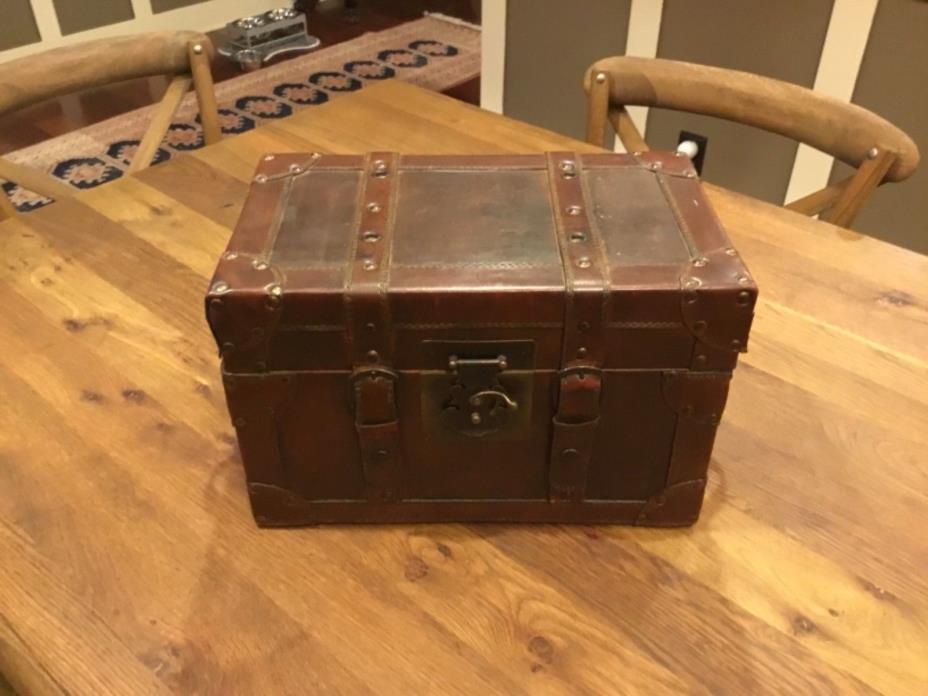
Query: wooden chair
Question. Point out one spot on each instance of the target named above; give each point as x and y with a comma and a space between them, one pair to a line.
876, 148
28, 80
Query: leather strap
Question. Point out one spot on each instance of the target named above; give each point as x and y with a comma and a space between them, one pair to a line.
370, 335
583, 352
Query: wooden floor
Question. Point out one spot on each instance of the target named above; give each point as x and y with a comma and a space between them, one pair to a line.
333, 26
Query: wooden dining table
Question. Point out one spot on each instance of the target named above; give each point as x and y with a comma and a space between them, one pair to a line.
130, 563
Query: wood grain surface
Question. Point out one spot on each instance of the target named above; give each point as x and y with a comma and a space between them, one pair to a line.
129, 562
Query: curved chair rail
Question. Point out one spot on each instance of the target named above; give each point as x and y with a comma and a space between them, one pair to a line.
65, 70
845, 131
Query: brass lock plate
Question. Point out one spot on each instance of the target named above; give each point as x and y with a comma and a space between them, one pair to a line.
485, 389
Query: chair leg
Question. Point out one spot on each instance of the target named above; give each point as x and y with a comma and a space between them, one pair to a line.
7, 209
160, 122
852, 198
816, 202
35, 180
597, 107
206, 94
627, 131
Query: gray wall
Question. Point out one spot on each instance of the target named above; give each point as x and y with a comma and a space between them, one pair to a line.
17, 24
549, 44
893, 82
81, 15
741, 35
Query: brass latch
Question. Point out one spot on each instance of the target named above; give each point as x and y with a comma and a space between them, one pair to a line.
478, 403
477, 389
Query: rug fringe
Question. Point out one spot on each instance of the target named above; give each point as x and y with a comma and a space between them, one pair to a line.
452, 20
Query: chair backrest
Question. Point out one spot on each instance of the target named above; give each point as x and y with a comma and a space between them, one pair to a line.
59, 71
35, 78
845, 131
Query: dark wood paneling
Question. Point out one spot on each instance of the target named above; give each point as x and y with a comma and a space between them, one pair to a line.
780, 39
892, 82
17, 24
81, 15
165, 5
549, 45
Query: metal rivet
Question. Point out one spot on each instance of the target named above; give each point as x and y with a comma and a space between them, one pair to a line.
261, 178
636, 153
573, 210
690, 174
581, 352
699, 326
268, 158
569, 454
273, 301
261, 366
654, 166
198, 48
215, 303
577, 237
369, 265
692, 283
600, 77
220, 286
744, 297
239, 422
872, 152
370, 327
379, 168
731, 251
735, 344
374, 207
230, 256
370, 236
743, 279
228, 348
689, 296
700, 360
316, 155
475, 418
259, 265
295, 169
584, 262
584, 326
700, 261
568, 168
274, 290
381, 454
373, 355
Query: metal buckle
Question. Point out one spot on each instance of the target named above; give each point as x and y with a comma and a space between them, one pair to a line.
369, 410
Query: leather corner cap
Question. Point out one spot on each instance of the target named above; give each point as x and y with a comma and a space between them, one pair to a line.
677, 505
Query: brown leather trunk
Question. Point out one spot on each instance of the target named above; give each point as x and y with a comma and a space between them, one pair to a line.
519, 338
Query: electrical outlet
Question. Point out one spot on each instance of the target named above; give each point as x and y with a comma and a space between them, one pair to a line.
702, 142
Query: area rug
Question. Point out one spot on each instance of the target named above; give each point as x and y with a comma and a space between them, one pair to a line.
435, 52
